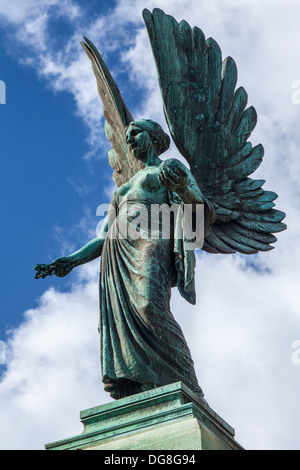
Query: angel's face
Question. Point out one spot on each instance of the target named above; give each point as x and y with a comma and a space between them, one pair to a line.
139, 142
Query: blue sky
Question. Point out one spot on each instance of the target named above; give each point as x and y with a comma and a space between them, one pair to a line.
54, 174
42, 145
47, 185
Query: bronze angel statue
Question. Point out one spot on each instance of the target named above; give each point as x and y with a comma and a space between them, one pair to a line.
142, 346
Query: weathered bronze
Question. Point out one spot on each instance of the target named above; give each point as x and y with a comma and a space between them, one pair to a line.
142, 346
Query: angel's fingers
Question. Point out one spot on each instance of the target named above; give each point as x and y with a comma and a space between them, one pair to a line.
174, 174
165, 182
161, 177
173, 179
164, 174
39, 267
40, 274
169, 175
179, 169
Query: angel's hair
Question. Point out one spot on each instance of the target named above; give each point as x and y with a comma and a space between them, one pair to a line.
156, 132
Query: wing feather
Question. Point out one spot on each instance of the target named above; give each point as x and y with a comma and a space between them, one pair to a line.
210, 124
117, 117
238, 105
228, 83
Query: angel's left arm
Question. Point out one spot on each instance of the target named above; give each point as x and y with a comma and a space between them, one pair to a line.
190, 193
193, 195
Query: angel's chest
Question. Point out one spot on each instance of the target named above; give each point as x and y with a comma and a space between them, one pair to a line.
145, 186
144, 182
147, 181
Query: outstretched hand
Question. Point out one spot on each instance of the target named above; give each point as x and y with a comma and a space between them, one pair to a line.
60, 267
173, 175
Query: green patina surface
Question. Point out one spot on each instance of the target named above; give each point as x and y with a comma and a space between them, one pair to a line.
142, 346
169, 417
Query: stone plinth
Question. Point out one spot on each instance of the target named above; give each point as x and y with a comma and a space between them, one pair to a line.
166, 418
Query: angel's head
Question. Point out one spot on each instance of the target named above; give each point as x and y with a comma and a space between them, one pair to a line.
145, 135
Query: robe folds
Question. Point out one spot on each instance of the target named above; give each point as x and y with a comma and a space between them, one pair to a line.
140, 339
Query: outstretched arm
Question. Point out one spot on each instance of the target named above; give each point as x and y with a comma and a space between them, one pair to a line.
64, 265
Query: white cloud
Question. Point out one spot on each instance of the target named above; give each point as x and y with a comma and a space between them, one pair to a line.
241, 333
52, 367
21, 11
2, 353
244, 324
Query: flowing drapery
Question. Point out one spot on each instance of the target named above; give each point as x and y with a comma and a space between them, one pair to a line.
140, 339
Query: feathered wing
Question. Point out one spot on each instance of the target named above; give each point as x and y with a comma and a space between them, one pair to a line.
210, 125
117, 117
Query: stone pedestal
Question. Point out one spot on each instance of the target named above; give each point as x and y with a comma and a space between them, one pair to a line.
166, 418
